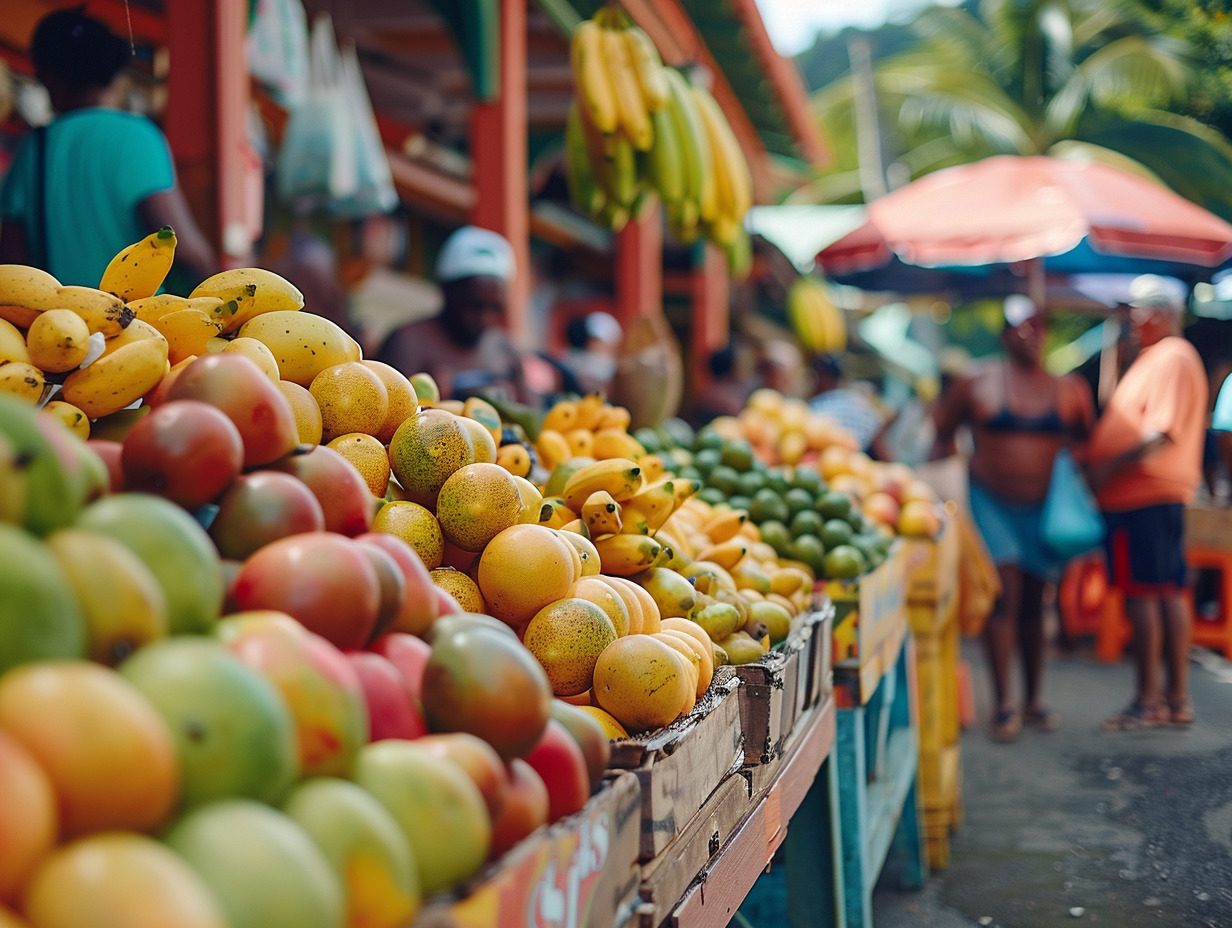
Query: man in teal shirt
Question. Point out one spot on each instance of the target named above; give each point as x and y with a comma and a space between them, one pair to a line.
96, 179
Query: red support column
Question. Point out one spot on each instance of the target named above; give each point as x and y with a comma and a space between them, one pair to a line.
639, 268
240, 176
499, 159
711, 332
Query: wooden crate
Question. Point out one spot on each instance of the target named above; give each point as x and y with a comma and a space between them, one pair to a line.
868, 610
930, 569
580, 871
666, 878
678, 767
785, 683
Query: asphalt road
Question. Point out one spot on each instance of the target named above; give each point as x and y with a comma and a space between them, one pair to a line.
1079, 826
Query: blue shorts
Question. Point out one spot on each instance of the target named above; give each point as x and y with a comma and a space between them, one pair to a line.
1012, 532
1146, 550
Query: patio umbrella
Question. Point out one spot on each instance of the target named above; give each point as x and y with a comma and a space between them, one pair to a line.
977, 228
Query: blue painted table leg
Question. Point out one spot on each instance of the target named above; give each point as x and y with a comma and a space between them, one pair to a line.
853, 816
811, 848
907, 851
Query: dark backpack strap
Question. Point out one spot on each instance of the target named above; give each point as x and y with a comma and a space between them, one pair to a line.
39, 241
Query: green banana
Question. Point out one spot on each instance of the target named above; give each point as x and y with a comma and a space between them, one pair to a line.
584, 189
664, 167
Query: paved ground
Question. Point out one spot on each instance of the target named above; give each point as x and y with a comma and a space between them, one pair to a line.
1082, 827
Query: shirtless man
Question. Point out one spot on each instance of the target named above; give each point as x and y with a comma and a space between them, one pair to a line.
465, 348
1020, 417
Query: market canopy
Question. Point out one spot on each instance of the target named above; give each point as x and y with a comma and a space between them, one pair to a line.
972, 227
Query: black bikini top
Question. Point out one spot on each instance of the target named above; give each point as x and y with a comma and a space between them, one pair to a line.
1006, 420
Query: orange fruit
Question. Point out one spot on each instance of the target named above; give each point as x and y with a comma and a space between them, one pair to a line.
307, 412
650, 610
633, 604
612, 728
524, 568
107, 752
606, 598
691, 664
581, 699
642, 682
575, 553
401, 395
29, 823
427, 449
368, 456
460, 587
587, 552
352, 399
567, 637
258, 353
476, 503
481, 438
514, 458
705, 657
416, 526
73, 418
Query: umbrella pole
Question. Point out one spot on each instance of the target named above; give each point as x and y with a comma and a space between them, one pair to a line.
1037, 284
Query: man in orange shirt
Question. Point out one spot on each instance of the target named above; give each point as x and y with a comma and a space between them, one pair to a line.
1145, 462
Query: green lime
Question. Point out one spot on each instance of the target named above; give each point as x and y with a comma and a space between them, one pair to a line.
751, 482
706, 460
798, 500
766, 505
676, 432
649, 440
738, 454
858, 521
843, 563
777, 480
808, 479
689, 472
725, 478
711, 495
739, 501
706, 439
807, 522
836, 532
809, 550
775, 534
834, 505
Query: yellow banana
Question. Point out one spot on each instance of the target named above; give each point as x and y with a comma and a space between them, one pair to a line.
653, 468
123, 604
20, 316
552, 448
22, 380
724, 525
103, 312
727, 555
140, 269
631, 113
576, 527
562, 417
255, 291
647, 68
12, 343
619, 175
73, 418
554, 513
117, 379
187, 331
645, 513
153, 308
626, 555
27, 287
620, 477
594, 84
683, 551
664, 165
58, 340
696, 157
615, 417
731, 168
787, 580
616, 443
137, 331
584, 188
602, 514
589, 409
684, 489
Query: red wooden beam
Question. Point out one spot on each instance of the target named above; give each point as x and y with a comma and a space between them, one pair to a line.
498, 149
240, 177
710, 318
639, 268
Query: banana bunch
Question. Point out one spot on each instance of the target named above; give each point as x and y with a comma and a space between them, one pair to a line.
25, 292
589, 427
140, 269
817, 322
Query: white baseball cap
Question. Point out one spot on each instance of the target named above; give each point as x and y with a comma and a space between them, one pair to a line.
1149, 290
475, 252
1018, 308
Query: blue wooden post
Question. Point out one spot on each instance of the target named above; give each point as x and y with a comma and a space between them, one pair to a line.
852, 772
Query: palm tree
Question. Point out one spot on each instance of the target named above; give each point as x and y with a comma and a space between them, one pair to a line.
1034, 77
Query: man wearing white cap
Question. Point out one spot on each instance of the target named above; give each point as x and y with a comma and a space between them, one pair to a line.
465, 348
1020, 416
1145, 463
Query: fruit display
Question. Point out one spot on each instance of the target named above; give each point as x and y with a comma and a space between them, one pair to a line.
818, 324
638, 129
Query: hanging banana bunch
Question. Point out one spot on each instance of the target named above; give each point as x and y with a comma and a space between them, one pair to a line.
817, 322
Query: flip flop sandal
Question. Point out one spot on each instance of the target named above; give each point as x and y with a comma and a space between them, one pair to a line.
1136, 717
1181, 712
1006, 726
1041, 719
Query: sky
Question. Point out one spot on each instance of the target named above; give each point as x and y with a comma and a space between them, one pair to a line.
792, 24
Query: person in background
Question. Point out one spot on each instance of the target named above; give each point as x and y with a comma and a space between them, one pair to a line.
465, 348
594, 348
850, 407
1144, 464
96, 179
725, 393
1020, 416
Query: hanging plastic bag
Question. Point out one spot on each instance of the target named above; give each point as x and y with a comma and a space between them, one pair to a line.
276, 49
1070, 523
316, 164
374, 188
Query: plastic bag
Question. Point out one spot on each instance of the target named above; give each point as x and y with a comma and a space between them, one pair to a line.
276, 49
979, 584
316, 164
1070, 523
374, 184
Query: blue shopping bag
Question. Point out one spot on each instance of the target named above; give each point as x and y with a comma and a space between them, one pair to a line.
1071, 523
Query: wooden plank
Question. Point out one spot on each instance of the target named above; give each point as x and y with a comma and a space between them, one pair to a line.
724, 884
